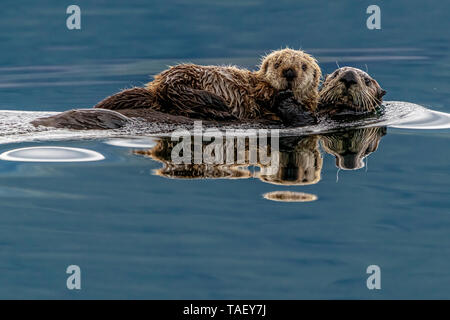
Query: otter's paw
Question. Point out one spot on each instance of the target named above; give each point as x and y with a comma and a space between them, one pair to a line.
294, 115
83, 119
291, 112
299, 118
286, 96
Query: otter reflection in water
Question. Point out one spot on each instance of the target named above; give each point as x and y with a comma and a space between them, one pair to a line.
351, 147
295, 161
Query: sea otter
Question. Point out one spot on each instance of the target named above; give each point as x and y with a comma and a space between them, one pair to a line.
215, 93
226, 92
352, 90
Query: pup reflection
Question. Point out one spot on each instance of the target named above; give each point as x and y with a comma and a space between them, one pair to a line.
352, 146
300, 162
295, 161
163, 151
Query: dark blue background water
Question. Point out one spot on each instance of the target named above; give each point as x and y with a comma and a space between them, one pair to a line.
136, 235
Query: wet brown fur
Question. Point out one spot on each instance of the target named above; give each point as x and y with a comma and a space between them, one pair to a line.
225, 92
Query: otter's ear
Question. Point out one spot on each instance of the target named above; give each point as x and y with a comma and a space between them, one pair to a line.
264, 66
315, 75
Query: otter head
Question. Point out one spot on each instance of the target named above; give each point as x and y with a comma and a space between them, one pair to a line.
294, 70
351, 88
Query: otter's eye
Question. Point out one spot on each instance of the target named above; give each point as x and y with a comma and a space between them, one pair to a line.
304, 67
276, 65
367, 81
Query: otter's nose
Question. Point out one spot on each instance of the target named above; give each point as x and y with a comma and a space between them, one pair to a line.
348, 78
289, 74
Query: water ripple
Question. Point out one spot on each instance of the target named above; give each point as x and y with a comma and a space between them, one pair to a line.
51, 154
15, 126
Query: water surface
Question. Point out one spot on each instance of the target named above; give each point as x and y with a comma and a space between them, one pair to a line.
137, 234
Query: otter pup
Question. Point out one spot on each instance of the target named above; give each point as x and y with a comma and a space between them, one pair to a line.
215, 93
350, 91
226, 92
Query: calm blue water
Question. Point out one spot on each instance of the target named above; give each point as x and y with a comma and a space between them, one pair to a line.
138, 235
